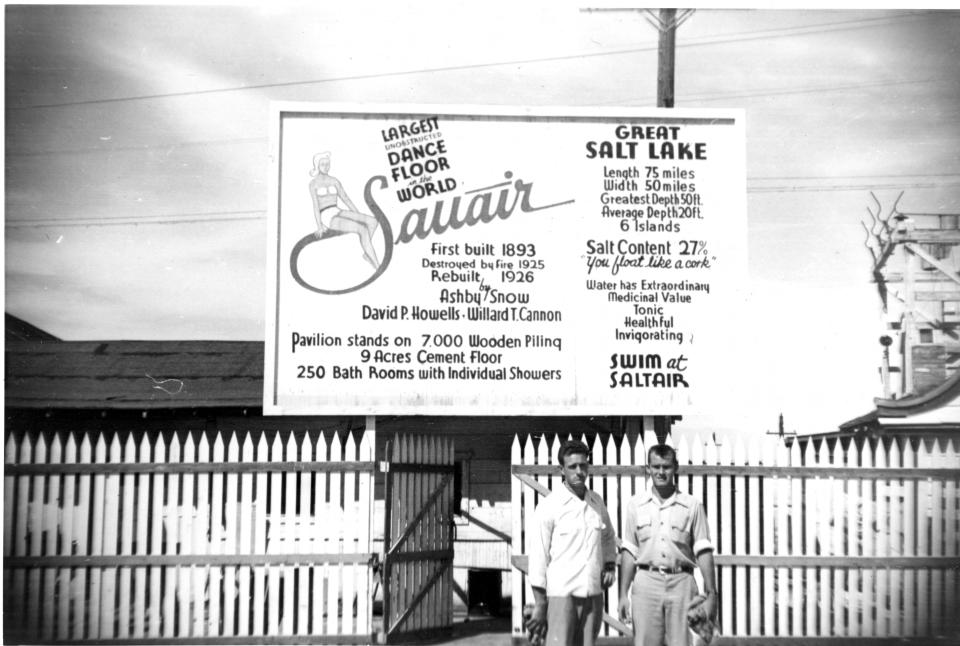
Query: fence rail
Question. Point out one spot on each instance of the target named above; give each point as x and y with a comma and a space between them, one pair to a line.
192, 538
813, 540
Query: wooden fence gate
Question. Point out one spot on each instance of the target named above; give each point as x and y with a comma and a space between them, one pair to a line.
196, 538
417, 566
855, 543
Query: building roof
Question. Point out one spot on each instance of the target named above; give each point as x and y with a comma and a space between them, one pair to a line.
16, 329
134, 374
938, 406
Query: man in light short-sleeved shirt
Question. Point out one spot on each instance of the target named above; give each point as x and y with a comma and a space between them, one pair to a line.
572, 556
665, 537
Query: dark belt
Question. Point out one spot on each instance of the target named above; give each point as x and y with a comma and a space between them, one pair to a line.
666, 570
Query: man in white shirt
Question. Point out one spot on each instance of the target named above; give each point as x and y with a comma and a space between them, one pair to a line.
572, 558
665, 537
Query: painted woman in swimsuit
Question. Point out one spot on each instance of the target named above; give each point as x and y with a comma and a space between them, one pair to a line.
326, 190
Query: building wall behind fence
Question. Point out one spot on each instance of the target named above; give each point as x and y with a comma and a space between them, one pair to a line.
186, 536
868, 551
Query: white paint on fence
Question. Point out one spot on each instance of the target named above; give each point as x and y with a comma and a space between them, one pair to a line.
121, 514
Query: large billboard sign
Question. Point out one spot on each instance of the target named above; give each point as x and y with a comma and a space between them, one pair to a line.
487, 261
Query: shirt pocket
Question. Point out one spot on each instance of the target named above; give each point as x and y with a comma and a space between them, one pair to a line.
644, 529
679, 529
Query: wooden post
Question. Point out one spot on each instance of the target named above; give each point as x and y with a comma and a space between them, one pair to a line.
386, 565
365, 506
909, 334
666, 55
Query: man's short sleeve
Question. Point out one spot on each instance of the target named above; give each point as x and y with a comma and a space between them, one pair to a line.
700, 530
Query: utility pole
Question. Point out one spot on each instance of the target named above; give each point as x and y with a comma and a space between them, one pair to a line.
666, 55
666, 22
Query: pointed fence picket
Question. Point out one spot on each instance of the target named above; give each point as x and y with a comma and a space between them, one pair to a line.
186, 511
754, 590
951, 541
822, 511
202, 540
127, 516
322, 541
258, 539
229, 544
722, 516
868, 497
194, 537
827, 539
9, 489
289, 498
811, 493
336, 569
740, 546
909, 515
66, 541
924, 505
852, 542
273, 574
780, 539
837, 545
157, 546
610, 490
882, 542
171, 514
516, 527
35, 541
937, 535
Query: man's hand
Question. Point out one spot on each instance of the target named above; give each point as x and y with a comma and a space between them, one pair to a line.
710, 606
607, 578
700, 617
537, 623
625, 614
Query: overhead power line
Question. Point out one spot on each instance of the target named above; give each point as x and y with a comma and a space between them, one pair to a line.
777, 92
141, 148
732, 38
172, 218
621, 102
253, 215
850, 187
792, 178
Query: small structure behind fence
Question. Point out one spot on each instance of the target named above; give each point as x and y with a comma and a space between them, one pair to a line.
201, 537
832, 540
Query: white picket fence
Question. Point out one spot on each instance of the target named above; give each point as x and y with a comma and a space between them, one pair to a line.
814, 541
180, 537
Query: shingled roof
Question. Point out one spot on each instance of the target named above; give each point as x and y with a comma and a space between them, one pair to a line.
134, 374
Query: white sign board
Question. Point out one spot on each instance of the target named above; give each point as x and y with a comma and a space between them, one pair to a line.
487, 261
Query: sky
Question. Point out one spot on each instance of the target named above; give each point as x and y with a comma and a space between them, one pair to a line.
137, 156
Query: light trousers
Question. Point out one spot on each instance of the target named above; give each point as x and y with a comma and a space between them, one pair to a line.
659, 603
574, 621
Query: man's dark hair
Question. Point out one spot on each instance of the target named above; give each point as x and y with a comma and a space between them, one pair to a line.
662, 451
571, 447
